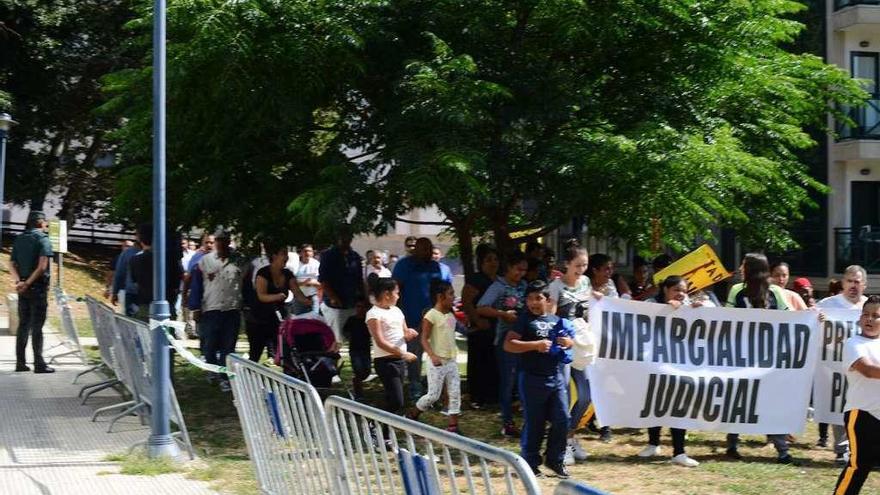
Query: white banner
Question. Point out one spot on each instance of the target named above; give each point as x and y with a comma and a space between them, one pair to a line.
830, 384
713, 369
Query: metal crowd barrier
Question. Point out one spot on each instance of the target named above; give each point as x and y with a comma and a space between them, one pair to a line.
344, 447
135, 343
102, 317
571, 487
285, 431
126, 349
70, 338
386, 453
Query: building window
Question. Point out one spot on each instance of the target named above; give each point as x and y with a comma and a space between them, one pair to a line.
864, 66
839, 4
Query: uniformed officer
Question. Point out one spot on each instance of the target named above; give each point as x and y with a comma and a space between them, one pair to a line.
29, 265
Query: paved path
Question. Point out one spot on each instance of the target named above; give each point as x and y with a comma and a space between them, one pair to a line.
49, 446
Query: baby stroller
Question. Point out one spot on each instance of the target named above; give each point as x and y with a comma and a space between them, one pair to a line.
307, 350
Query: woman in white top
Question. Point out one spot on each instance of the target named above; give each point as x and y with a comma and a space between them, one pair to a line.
571, 294
388, 328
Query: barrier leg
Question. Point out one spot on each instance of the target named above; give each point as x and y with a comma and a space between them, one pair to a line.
83, 389
68, 353
110, 408
98, 387
178, 418
137, 407
81, 373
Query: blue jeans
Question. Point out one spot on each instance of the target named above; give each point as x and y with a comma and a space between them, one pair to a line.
582, 385
219, 329
506, 381
545, 398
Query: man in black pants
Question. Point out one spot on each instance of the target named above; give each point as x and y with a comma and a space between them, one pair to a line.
29, 265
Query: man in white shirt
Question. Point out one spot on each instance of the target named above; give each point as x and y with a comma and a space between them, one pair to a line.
220, 312
306, 273
855, 281
375, 265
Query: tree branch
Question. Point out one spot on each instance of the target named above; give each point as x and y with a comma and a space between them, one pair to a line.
418, 222
536, 235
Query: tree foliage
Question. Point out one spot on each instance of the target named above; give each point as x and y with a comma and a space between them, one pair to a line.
52, 55
509, 115
252, 91
525, 114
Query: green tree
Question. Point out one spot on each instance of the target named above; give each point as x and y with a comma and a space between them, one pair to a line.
52, 55
253, 91
519, 115
510, 116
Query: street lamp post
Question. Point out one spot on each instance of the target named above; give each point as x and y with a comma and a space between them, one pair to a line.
160, 443
6, 123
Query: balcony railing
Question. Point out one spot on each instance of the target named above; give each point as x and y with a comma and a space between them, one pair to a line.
866, 119
839, 4
857, 246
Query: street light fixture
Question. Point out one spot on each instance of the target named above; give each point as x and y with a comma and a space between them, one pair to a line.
6, 123
160, 443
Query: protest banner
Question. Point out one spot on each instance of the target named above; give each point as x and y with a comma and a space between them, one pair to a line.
830, 384
700, 268
713, 369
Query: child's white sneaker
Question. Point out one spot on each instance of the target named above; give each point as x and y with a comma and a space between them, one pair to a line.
568, 460
684, 460
650, 451
579, 453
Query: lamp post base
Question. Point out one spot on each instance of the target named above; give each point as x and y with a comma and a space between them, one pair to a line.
163, 446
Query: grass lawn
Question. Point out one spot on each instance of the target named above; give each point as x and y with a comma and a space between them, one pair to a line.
614, 467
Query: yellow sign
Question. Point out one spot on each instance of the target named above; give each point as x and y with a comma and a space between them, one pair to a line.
58, 235
700, 268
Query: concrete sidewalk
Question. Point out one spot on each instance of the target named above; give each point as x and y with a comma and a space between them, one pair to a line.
49, 446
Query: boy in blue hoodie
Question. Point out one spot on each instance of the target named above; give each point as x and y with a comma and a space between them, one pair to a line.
544, 343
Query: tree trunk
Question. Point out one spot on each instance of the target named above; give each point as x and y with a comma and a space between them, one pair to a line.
501, 232
464, 234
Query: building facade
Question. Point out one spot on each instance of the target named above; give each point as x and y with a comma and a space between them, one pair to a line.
852, 42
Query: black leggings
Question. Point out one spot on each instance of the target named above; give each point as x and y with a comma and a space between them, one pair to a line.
261, 336
392, 373
482, 371
678, 435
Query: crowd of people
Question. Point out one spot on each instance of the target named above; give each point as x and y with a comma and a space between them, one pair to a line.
525, 323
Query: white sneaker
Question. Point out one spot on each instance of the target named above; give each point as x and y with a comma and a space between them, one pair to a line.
650, 451
568, 460
684, 460
579, 453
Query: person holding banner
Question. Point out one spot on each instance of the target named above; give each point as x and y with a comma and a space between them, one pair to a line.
853, 297
600, 270
541, 341
673, 291
571, 294
855, 281
781, 273
861, 360
757, 292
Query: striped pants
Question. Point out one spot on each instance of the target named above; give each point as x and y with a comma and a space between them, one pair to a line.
863, 431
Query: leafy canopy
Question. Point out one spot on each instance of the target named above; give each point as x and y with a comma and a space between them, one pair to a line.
289, 117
